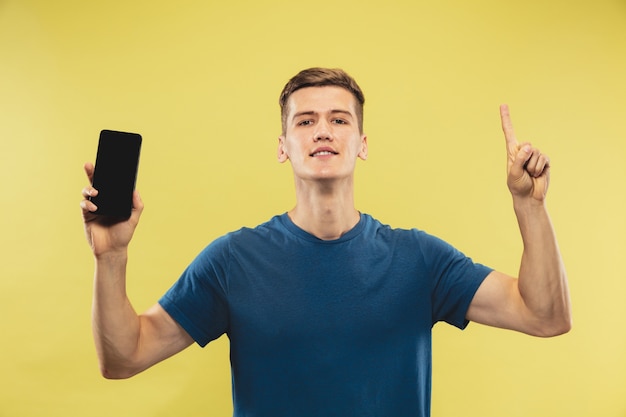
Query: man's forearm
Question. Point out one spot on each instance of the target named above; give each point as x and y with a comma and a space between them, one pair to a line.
542, 277
115, 322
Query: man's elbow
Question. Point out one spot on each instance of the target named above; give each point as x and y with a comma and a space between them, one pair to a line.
108, 374
555, 328
117, 372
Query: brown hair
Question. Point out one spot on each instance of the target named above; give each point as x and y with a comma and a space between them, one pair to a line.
320, 77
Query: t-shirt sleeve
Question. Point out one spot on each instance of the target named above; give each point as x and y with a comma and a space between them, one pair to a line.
455, 278
198, 300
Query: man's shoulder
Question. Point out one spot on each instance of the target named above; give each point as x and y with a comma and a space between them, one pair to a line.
380, 227
237, 240
249, 235
273, 225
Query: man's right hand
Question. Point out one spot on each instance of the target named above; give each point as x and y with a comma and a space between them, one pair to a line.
107, 237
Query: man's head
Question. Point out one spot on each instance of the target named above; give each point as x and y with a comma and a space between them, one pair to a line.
321, 77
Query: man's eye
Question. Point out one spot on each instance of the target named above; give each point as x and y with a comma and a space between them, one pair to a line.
305, 123
339, 121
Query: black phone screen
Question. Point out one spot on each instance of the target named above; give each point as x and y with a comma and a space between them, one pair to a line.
115, 172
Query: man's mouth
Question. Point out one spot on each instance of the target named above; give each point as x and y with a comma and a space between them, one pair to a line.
323, 152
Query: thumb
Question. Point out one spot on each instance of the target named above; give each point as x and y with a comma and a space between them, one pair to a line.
137, 205
520, 159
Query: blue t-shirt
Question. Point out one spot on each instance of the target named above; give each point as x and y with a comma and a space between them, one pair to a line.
326, 328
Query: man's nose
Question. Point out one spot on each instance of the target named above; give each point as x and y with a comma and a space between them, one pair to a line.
323, 131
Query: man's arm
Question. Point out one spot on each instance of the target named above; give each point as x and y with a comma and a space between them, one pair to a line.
126, 343
537, 302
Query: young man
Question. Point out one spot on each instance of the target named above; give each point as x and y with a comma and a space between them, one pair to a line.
328, 311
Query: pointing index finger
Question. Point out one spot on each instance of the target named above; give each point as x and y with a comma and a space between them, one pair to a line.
507, 127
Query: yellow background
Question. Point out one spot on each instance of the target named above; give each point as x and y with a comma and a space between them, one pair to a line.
200, 80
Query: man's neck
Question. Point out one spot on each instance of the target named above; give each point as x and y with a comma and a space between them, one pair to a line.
325, 211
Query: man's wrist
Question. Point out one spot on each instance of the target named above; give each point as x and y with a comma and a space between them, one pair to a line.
528, 204
112, 257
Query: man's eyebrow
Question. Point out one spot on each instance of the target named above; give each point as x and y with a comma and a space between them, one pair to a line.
313, 113
304, 113
346, 112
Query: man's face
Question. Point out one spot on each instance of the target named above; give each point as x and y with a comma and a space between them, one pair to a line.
322, 138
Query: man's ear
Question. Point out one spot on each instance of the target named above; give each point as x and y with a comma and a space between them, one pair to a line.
363, 152
281, 153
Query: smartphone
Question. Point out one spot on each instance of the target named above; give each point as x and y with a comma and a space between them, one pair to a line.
115, 173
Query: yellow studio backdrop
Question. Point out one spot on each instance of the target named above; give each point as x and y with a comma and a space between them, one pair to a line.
200, 80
